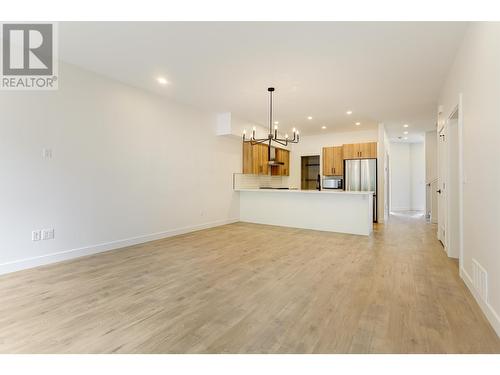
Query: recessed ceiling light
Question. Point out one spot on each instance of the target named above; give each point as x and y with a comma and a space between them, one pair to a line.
405, 125
276, 122
405, 132
323, 127
162, 81
405, 138
358, 123
309, 117
349, 112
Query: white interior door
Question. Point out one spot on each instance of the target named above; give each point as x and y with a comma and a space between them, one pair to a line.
441, 184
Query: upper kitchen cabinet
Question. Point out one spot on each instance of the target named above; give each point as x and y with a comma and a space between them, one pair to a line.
328, 161
351, 151
282, 156
247, 158
255, 158
368, 150
360, 150
263, 159
333, 161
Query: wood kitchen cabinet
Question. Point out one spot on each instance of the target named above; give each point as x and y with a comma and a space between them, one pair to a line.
263, 160
247, 158
333, 161
360, 150
351, 151
283, 156
255, 158
368, 150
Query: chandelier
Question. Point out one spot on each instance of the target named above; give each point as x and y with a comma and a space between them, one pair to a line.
272, 136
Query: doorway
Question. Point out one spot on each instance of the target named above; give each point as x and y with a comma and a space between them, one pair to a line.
309, 172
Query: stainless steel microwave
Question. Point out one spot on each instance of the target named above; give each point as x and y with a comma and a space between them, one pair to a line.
332, 183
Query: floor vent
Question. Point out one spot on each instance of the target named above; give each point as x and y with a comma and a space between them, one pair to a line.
480, 280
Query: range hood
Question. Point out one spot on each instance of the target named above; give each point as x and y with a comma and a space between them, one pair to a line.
272, 157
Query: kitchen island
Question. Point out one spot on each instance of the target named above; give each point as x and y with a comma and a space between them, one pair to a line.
328, 210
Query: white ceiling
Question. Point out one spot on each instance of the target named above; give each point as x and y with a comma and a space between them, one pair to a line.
388, 72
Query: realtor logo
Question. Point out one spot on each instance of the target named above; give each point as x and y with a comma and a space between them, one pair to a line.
29, 59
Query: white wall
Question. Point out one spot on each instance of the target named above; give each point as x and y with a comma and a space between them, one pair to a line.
417, 176
476, 74
407, 176
313, 145
431, 155
400, 177
383, 161
127, 166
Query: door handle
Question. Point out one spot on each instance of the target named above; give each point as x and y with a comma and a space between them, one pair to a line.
438, 191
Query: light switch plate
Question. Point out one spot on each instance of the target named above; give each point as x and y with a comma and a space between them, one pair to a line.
47, 153
36, 235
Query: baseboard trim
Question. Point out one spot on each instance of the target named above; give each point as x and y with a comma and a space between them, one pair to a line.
64, 255
487, 309
400, 209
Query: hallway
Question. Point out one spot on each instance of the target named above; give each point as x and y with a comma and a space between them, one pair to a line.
246, 288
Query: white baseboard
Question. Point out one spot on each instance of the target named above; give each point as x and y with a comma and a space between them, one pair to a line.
488, 310
401, 209
102, 247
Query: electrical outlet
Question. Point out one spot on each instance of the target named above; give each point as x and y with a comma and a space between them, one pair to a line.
47, 234
36, 235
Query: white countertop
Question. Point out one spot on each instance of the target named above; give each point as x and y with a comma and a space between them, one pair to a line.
295, 191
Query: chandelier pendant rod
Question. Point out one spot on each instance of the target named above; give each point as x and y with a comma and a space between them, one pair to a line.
270, 136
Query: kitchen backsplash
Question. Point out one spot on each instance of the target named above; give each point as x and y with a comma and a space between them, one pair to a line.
254, 181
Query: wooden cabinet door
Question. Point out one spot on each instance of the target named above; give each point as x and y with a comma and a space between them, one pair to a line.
333, 161
255, 158
248, 158
368, 150
263, 159
328, 156
338, 161
283, 156
351, 151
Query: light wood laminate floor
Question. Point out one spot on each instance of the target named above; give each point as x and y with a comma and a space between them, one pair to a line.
245, 288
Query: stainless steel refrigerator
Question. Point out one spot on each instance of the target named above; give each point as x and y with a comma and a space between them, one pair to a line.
361, 175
